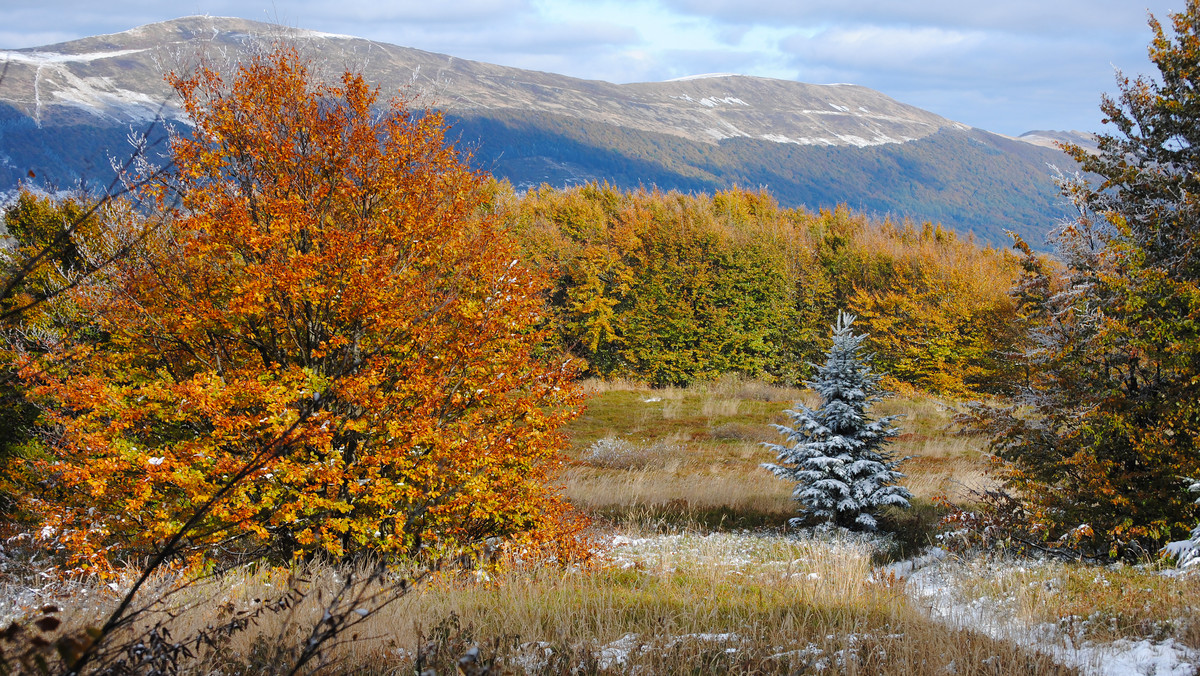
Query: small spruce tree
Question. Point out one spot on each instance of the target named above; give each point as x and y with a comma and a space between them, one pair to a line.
835, 453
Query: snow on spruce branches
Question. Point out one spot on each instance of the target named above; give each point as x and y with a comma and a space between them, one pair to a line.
835, 453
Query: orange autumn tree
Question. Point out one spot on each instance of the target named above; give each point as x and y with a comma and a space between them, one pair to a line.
325, 298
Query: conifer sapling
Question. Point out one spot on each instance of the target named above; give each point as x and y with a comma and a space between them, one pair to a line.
835, 453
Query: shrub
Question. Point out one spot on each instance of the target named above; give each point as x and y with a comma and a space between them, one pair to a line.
1106, 423
324, 318
615, 453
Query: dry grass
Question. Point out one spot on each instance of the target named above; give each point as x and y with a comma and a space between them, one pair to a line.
683, 603
714, 407
674, 471
733, 431
593, 386
622, 454
718, 429
1088, 602
628, 494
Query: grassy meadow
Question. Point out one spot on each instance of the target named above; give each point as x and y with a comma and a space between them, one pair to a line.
670, 458
694, 571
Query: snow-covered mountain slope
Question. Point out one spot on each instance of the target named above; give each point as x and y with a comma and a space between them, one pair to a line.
67, 111
119, 77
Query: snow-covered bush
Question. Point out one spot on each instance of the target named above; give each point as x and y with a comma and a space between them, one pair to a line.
835, 453
615, 453
1186, 552
1195, 539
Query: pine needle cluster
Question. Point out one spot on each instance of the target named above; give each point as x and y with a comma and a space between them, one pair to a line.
835, 453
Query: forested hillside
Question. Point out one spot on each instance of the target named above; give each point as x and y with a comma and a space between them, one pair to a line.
672, 288
69, 111
970, 181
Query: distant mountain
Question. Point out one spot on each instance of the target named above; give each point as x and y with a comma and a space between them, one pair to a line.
67, 110
1051, 139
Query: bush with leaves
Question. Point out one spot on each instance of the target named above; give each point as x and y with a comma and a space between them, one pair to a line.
1098, 438
40, 259
329, 278
835, 453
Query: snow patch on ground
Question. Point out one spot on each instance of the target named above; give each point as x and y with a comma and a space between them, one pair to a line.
39, 58
808, 111
713, 102
704, 76
906, 567
803, 140
101, 94
322, 34
841, 139
932, 583
534, 656
618, 652
859, 141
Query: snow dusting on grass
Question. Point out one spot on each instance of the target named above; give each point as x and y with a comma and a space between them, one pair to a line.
801, 555
38, 58
949, 591
934, 581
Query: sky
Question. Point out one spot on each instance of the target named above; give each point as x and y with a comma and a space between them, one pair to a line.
1008, 66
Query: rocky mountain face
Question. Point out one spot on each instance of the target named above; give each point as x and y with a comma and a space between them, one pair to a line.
68, 110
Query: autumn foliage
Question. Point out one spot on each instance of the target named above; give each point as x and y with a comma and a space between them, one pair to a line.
673, 288
322, 301
1103, 437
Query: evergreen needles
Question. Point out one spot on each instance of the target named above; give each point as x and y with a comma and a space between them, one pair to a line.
835, 453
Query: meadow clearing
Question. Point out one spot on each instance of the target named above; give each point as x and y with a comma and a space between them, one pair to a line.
694, 570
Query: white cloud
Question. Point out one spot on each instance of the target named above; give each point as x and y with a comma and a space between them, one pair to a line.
1024, 16
1007, 66
885, 46
471, 12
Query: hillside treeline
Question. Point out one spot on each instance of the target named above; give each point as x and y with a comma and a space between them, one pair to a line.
969, 179
672, 288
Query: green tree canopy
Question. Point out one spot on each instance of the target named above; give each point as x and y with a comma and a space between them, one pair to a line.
1108, 425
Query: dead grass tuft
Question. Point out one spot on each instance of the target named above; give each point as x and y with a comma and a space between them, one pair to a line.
617, 453
1087, 602
682, 603
733, 431
593, 386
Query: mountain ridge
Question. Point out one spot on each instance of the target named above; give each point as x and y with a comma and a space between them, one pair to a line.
699, 108
692, 133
